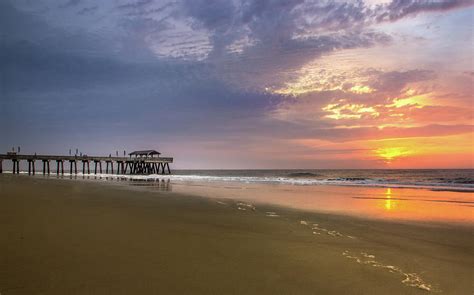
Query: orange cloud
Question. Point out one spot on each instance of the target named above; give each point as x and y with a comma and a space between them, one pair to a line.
421, 152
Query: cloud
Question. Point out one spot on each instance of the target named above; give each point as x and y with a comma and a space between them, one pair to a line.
398, 9
134, 5
395, 81
356, 96
196, 71
440, 114
88, 10
469, 73
374, 133
70, 3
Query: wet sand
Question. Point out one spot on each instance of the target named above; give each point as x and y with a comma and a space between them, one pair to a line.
73, 237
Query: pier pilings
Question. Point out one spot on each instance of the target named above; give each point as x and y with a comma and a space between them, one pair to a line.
45, 165
31, 166
124, 165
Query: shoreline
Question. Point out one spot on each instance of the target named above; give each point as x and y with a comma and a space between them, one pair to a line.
338, 254
298, 181
130, 183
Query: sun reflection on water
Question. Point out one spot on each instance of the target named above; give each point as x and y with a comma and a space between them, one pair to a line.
388, 199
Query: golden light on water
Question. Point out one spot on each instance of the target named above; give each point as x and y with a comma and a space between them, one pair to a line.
388, 201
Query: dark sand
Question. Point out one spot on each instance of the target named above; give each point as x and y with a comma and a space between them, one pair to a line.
73, 237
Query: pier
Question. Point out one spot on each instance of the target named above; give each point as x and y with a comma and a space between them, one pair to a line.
138, 162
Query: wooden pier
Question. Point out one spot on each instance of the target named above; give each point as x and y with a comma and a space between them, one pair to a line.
138, 162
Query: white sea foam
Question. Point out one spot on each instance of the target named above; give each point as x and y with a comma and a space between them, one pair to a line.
246, 206
367, 255
409, 279
334, 233
373, 182
317, 230
311, 181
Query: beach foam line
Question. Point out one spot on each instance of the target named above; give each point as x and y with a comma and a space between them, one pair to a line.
369, 182
317, 230
409, 279
246, 205
338, 182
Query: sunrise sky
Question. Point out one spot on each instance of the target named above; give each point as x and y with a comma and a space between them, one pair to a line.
242, 83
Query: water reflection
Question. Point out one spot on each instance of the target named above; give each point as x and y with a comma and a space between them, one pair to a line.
162, 185
388, 201
159, 184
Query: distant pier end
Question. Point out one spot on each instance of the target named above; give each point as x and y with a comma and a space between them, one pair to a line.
138, 162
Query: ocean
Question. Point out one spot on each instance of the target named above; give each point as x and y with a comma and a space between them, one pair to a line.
444, 196
436, 179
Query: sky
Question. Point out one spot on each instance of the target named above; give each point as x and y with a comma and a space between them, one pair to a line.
240, 84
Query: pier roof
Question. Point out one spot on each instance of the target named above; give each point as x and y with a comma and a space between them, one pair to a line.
144, 153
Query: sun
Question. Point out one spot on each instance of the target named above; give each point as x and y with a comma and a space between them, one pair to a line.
391, 153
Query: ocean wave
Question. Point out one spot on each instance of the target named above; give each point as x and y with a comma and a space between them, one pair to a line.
460, 180
439, 184
303, 174
344, 181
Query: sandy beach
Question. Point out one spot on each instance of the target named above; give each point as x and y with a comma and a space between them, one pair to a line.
78, 237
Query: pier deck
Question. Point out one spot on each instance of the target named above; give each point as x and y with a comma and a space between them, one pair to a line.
124, 165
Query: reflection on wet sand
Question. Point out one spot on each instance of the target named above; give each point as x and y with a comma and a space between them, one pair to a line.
162, 185
373, 202
120, 236
388, 201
